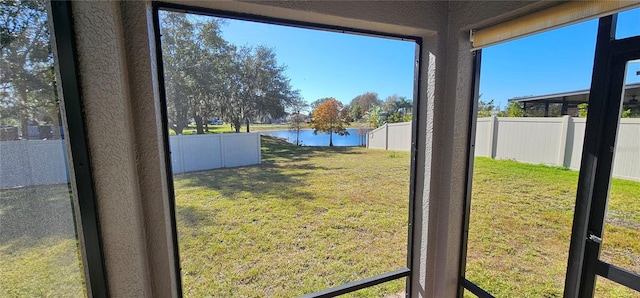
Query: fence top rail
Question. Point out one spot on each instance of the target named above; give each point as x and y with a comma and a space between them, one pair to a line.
552, 119
630, 120
531, 119
377, 129
399, 124
217, 135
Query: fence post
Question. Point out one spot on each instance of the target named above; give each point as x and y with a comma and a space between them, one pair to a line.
562, 144
223, 156
493, 136
258, 140
386, 136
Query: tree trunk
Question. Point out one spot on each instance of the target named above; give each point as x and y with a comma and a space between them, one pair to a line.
24, 123
247, 125
55, 120
236, 126
331, 139
24, 114
199, 126
177, 128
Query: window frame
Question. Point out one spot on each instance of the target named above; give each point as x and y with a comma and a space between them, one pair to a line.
61, 22
341, 289
583, 264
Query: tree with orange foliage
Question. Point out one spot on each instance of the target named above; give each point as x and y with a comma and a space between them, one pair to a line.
330, 117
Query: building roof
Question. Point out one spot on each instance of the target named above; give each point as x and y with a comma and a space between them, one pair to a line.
576, 97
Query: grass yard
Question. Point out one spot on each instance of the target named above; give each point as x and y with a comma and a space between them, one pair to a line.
306, 219
520, 228
38, 248
309, 218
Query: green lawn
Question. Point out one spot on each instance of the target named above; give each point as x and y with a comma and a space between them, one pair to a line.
305, 219
308, 218
520, 228
38, 249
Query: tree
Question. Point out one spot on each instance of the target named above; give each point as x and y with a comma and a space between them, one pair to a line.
205, 76
27, 82
297, 107
364, 102
514, 110
196, 64
396, 109
314, 105
330, 117
374, 117
265, 90
485, 108
582, 110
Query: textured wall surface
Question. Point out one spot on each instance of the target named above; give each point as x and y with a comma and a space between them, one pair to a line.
107, 108
121, 106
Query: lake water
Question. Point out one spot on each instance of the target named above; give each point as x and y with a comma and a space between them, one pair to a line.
307, 138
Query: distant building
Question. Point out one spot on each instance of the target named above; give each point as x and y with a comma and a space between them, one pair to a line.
566, 103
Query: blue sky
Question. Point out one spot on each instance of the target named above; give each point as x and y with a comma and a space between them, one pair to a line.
328, 64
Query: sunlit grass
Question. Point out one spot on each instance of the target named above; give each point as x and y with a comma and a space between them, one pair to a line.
38, 250
309, 218
520, 229
304, 220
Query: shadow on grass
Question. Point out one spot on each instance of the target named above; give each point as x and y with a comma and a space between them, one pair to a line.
29, 214
282, 174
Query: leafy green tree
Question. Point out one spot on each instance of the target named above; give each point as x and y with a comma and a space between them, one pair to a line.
364, 102
27, 82
485, 108
265, 90
330, 117
514, 110
195, 61
298, 107
397, 108
206, 76
582, 110
374, 117
355, 112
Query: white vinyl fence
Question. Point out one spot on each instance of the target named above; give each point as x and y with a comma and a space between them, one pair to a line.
395, 136
41, 162
554, 141
37, 162
213, 151
550, 141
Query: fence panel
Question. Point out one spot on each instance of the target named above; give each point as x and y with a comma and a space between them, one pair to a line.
213, 151
551, 141
197, 153
25, 163
529, 140
482, 137
241, 149
377, 138
575, 140
399, 136
626, 162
